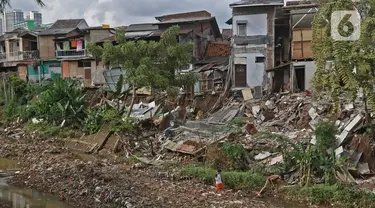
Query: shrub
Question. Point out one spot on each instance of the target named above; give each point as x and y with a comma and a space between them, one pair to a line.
47, 130
94, 120
63, 101
232, 180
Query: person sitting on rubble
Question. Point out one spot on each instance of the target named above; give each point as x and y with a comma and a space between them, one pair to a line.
219, 182
270, 180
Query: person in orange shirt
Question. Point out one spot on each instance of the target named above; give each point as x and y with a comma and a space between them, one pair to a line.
219, 182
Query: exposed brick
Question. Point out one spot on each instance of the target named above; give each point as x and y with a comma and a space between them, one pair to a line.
217, 49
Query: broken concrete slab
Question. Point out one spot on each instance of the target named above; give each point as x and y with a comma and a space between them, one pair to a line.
276, 160
354, 123
337, 123
270, 104
339, 151
313, 114
363, 168
256, 110
313, 140
340, 139
349, 107
262, 156
247, 94
313, 124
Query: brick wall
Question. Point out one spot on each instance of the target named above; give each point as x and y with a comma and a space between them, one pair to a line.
185, 15
218, 49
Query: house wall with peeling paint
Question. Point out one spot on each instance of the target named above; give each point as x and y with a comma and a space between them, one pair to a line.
254, 71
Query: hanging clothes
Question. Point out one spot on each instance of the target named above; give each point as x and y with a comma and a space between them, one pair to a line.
66, 46
74, 43
58, 46
79, 45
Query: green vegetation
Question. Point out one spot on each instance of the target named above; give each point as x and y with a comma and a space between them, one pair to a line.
63, 102
345, 55
49, 131
339, 194
232, 180
149, 63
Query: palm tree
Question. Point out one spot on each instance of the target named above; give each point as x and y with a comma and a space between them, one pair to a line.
5, 3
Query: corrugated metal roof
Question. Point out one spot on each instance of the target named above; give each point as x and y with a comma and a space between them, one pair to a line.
111, 78
257, 3
181, 32
138, 34
182, 20
142, 27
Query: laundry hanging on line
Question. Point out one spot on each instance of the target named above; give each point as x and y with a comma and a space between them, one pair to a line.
74, 43
66, 46
58, 46
79, 45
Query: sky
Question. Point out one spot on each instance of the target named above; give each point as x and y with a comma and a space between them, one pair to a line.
123, 12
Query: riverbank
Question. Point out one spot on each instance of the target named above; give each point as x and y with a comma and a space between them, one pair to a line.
109, 181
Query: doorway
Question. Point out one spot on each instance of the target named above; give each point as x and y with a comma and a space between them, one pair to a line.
240, 75
300, 76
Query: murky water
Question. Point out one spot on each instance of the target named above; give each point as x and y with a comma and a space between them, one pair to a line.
24, 198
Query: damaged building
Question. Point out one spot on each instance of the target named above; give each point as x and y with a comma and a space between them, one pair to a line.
271, 45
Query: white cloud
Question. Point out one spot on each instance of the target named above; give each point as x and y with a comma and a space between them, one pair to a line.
123, 12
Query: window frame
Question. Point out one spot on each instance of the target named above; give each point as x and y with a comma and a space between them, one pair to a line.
239, 26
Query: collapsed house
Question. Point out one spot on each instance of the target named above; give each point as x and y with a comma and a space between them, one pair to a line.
272, 45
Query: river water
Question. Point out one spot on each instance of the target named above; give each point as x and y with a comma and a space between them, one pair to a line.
24, 198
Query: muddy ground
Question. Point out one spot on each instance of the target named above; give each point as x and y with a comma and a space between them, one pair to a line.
110, 181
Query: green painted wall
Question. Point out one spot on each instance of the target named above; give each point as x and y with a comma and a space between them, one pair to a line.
45, 70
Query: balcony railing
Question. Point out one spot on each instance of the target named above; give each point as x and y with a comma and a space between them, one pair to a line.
19, 56
70, 53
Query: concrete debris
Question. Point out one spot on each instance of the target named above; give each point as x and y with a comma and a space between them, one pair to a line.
276, 160
247, 94
339, 151
262, 156
349, 107
353, 123
256, 110
363, 168
342, 137
312, 113
270, 104
144, 111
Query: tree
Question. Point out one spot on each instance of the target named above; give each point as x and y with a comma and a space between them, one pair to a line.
6, 3
148, 63
353, 62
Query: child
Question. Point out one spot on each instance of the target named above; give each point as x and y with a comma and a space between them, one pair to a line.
219, 182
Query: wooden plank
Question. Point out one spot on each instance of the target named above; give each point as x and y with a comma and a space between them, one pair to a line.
297, 35
307, 35
307, 49
302, 49
297, 54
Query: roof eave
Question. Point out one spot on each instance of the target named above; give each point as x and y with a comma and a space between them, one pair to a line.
255, 5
